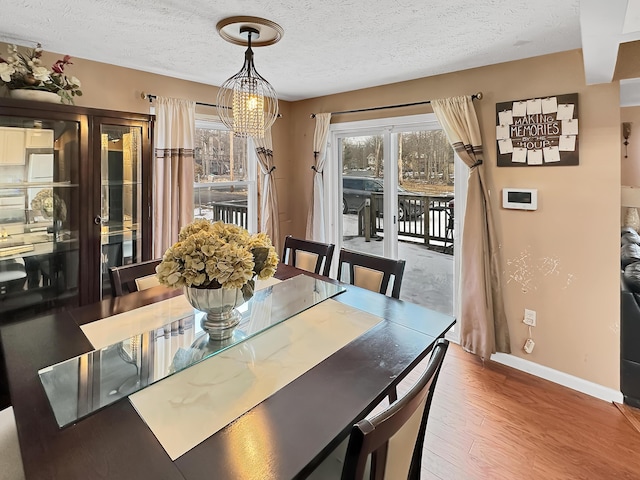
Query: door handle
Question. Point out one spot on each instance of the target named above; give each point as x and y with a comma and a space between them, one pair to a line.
97, 220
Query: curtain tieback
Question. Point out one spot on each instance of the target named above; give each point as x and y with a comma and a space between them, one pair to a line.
477, 164
271, 170
313, 167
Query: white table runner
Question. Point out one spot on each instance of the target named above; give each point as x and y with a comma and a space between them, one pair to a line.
108, 331
185, 409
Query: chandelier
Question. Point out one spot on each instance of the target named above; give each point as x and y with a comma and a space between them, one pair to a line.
247, 103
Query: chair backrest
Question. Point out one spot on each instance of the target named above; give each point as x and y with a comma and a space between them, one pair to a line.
390, 444
372, 272
10, 458
134, 277
308, 255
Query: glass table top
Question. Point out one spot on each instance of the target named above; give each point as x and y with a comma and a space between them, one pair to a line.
84, 384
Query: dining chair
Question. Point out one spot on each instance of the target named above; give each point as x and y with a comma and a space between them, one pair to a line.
11, 467
308, 255
133, 278
371, 271
389, 445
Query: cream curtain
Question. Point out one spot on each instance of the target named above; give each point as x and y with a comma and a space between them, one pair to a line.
173, 170
483, 323
269, 201
316, 219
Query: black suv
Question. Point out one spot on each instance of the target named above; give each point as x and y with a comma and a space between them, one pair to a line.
355, 190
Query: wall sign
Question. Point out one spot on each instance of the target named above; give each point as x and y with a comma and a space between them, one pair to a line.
538, 131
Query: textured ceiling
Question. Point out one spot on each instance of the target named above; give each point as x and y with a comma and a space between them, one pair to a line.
329, 46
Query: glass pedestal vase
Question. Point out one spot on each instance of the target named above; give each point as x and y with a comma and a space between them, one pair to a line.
220, 306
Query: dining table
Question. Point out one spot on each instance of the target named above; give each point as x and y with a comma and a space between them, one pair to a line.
286, 434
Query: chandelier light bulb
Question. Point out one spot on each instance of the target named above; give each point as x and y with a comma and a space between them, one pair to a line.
254, 102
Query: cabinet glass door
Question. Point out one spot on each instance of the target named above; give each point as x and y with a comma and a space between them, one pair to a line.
39, 215
120, 198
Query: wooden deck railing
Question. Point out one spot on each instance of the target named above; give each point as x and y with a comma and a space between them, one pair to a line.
228, 212
422, 218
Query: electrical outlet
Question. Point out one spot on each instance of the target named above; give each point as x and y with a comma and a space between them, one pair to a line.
528, 345
529, 317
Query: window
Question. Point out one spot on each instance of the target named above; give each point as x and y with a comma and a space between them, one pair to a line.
224, 175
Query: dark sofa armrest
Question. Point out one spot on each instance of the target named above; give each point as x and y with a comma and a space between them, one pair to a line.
629, 324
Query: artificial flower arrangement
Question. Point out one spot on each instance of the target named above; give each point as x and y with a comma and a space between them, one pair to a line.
25, 71
217, 255
49, 204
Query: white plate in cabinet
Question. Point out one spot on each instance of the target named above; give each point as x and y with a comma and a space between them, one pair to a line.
39, 138
12, 146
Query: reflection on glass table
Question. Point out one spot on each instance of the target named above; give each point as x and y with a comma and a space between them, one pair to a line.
84, 384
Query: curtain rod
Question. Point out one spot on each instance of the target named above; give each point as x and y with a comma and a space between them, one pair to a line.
426, 102
151, 97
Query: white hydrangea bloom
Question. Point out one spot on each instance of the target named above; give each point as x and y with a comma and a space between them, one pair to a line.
41, 74
6, 71
214, 255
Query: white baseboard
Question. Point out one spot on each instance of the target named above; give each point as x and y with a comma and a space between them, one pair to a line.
561, 378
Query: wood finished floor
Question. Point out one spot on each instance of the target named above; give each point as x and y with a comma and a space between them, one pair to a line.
492, 422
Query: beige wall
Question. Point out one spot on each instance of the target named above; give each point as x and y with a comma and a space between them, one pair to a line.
561, 260
116, 88
627, 65
630, 166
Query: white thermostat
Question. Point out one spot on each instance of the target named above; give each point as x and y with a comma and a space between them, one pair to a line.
520, 198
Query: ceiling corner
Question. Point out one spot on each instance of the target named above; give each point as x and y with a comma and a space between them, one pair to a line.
601, 27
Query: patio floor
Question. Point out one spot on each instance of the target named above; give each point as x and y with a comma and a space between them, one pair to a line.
428, 275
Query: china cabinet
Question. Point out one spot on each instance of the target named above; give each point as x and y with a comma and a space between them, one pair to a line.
75, 199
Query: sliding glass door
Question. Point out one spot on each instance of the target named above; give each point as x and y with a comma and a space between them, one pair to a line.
394, 180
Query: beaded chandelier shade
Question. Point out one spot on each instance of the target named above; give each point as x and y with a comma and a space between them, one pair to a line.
247, 104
